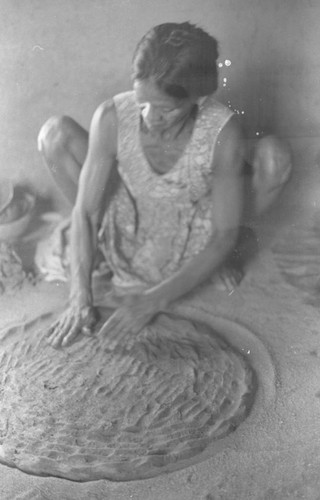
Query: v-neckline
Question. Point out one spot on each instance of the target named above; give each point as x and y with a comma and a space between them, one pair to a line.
184, 152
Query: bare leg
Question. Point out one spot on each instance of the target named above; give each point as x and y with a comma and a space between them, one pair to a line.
264, 180
64, 144
272, 167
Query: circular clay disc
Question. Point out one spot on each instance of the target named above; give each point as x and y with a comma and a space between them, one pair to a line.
120, 409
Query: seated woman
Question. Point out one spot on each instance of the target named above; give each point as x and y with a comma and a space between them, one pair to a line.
159, 177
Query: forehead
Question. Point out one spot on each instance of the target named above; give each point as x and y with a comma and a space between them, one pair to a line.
148, 91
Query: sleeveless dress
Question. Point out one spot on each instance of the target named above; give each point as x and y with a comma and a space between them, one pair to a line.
155, 222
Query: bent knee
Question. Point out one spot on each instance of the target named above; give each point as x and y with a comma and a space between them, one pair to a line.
272, 165
54, 134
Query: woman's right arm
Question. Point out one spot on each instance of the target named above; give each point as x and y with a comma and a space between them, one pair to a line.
86, 217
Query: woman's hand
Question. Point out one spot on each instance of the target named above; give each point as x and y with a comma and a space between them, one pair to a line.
132, 314
76, 319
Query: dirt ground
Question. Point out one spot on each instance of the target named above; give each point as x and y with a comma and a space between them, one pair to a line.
273, 318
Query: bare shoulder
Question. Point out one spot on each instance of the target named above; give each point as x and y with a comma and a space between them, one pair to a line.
229, 151
106, 112
103, 129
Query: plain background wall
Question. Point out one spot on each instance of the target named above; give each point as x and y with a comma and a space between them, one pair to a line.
67, 56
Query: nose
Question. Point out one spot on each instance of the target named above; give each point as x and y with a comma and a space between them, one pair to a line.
151, 115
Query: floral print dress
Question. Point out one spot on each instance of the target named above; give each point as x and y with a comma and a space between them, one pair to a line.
156, 223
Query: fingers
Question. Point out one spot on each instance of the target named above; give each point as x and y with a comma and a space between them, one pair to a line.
71, 335
112, 325
65, 329
118, 328
228, 283
52, 328
55, 330
120, 324
231, 278
58, 332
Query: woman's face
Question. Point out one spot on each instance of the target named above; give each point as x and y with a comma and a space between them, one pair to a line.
159, 110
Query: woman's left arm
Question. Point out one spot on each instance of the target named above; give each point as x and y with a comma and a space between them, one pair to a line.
227, 201
227, 204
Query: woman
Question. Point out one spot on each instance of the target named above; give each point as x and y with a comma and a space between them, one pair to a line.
161, 179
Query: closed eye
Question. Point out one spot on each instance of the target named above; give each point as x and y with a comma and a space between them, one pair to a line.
159, 108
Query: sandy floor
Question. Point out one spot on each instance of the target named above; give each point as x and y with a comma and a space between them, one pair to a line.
273, 318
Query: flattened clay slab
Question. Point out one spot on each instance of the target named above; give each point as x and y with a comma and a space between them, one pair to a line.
120, 409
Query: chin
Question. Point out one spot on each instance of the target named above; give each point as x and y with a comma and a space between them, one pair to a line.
157, 129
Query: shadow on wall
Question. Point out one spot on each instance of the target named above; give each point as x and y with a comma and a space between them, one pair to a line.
261, 98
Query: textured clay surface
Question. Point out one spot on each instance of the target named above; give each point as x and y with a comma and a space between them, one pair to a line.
298, 258
120, 409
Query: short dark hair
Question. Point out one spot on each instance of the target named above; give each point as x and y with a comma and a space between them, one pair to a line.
180, 57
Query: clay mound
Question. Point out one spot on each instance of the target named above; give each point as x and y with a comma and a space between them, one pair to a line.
124, 409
